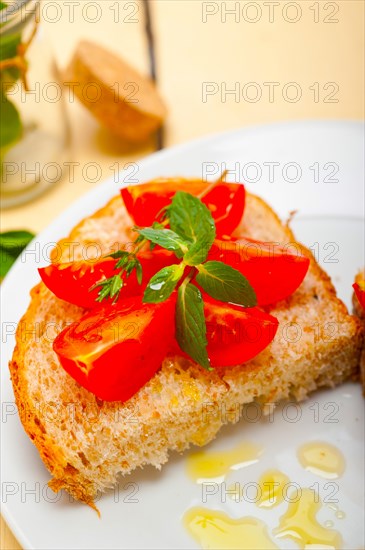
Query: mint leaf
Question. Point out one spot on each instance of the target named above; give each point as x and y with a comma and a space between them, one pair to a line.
190, 324
11, 127
11, 245
163, 283
166, 238
3, 5
226, 284
197, 253
191, 219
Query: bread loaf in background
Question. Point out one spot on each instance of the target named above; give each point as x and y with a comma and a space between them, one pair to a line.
120, 98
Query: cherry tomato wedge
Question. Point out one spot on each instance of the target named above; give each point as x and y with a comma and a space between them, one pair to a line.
72, 281
114, 350
226, 201
236, 334
274, 272
360, 292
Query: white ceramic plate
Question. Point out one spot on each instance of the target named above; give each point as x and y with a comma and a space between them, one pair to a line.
326, 159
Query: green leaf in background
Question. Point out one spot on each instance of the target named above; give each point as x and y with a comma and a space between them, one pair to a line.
9, 45
8, 49
11, 127
190, 324
224, 283
6, 261
15, 240
163, 283
11, 245
166, 238
191, 219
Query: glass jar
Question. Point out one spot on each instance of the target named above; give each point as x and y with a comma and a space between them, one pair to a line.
34, 133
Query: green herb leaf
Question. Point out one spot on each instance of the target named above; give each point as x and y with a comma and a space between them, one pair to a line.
11, 127
139, 271
8, 50
15, 240
198, 252
131, 264
9, 45
11, 245
155, 225
109, 288
191, 219
225, 283
163, 283
118, 254
6, 261
190, 324
166, 238
125, 262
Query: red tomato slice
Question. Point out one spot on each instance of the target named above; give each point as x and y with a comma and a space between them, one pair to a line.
72, 281
360, 292
114, 350
145, 201
226, 201
274, 272
236, 334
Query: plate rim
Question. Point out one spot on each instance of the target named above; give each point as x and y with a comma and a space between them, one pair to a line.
90, 197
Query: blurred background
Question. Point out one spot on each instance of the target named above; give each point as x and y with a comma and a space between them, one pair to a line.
219, 65
280, 61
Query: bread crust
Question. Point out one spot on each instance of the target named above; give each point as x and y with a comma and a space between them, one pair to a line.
173, 427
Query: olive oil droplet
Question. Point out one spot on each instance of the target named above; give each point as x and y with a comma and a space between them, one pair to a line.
300, 524
322, 459
272, 488
338, 513
214, 529
235, 492
214, 466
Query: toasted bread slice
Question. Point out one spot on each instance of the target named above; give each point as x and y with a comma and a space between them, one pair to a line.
86, 443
